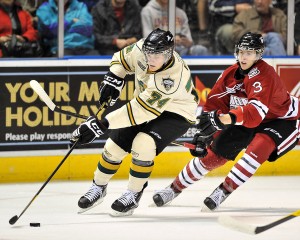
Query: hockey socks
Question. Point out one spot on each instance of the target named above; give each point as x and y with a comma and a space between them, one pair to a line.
196, 169
257, 152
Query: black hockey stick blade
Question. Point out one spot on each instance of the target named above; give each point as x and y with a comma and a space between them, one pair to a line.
240, 226
15, 218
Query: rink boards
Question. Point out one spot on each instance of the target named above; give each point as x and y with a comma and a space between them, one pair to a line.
33, 140
81, 166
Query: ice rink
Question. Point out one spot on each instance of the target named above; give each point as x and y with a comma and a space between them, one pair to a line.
260, 201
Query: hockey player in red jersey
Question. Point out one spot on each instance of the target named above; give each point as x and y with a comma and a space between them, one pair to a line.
248, 108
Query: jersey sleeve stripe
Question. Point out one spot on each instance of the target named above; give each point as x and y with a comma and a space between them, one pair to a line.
260, 107
130, 114
145, 106
114, 62
124, 63
293, 108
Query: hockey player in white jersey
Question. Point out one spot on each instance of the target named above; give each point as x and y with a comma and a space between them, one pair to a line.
163, 108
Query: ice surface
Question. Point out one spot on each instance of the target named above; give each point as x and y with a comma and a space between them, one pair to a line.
260, 201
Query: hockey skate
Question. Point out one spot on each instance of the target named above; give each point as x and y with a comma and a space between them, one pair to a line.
94, 196
127, 203
216, 198
164, 196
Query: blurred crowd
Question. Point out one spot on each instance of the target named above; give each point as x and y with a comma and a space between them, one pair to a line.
29, 28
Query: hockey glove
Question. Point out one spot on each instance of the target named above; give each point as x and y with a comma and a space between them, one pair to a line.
209, 123
110, 89
200, 141
89, 130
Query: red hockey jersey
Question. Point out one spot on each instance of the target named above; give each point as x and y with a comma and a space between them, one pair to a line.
261, 96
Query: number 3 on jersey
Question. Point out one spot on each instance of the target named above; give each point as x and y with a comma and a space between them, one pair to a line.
257, 86
156, 97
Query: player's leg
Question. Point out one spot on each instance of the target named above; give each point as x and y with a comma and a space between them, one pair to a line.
153, 138
194, 171
116, 148
271, 141
220, 150
108, 165
143, 153
245, 167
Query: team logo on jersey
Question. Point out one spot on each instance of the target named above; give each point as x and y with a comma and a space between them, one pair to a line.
141, 66
168, 83
254, 72
237, 101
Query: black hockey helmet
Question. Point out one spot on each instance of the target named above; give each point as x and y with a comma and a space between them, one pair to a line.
251, 41
159, 41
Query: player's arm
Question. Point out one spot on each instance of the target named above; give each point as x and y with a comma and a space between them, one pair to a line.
147, 106
250, 115
260, 92
124, 61
122, 64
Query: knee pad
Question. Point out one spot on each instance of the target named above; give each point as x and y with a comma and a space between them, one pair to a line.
143, 147
112, 152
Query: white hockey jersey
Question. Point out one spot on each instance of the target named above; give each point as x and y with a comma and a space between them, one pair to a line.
169, 89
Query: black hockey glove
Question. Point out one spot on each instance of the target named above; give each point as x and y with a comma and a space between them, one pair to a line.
209, 123
110, 89
200, 141
89, 130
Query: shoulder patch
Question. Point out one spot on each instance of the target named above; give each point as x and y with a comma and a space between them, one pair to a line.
129, 48
254, 72
168, 83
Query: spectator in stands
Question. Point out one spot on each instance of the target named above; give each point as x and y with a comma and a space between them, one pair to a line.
264, 19
143, 2
89, 3
78, 28
155, 15
117, 24
215, 22
31, 6
16, 29
190, 9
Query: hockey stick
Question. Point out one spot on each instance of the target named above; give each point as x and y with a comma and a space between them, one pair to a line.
15, 218
184, 144
230, 222
40, 91
46, 99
